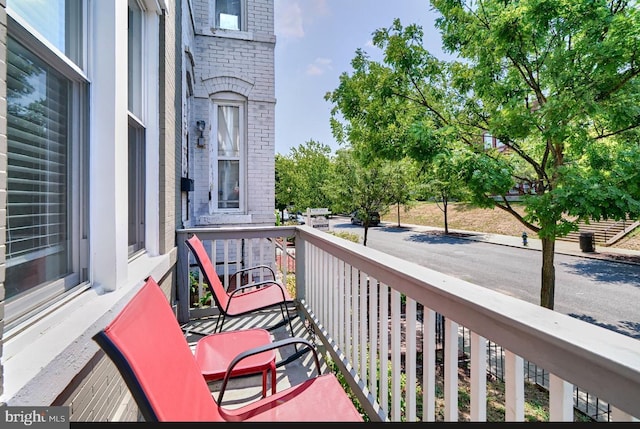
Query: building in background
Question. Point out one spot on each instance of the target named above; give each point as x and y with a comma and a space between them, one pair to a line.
229, 112
114, 111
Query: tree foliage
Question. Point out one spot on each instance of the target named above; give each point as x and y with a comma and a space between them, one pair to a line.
301, 176
356, 186
556, 81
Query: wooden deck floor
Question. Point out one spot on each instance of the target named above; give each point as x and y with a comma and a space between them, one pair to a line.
246, 389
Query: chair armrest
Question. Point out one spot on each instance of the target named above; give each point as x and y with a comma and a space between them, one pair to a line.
257, 267
260, 349
266, 282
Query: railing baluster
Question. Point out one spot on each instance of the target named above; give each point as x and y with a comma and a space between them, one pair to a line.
514, 387
560, 400
355, 311
373, 336
336, 297
395, 356
410, 359
239, 258
225, 266
324, 287
341, 306
249, 251
363, 326
450, 370
384, 347
348, 310
329, 281
478, 378
429, 365
310, 273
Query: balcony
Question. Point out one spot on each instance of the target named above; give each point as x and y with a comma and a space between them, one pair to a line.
357, 303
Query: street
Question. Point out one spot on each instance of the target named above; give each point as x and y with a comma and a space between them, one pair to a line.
598, 291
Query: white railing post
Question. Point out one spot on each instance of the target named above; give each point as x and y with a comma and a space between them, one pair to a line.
560, 400
478, 378
395, 356
355, 311
514, 387
450, 370
429, 365
384, 347
301, 267
363, 327
373, 336
410, 358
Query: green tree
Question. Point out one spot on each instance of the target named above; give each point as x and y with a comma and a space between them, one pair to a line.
402, 184
443, 183
362, 187
301, 176
555, 81
285, 181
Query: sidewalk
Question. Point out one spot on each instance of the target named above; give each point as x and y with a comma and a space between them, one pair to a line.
615, 254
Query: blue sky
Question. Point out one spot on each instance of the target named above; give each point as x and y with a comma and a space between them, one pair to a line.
316, 41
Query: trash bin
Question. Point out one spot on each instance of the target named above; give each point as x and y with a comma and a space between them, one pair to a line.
587, 242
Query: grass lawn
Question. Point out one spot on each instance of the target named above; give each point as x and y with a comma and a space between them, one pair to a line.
463, 216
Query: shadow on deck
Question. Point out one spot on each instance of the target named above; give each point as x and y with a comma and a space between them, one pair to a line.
246, 389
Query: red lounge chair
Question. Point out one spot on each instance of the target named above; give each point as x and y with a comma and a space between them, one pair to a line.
147, 346
243, 300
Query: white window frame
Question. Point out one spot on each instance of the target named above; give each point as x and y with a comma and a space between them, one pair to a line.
31, 302
136, 122
234, 100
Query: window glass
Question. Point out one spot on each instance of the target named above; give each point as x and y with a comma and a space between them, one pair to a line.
58, 21
228, 13
229, 184
227, 169
134, 42
38, 168
228, 131
136, 141
136, 187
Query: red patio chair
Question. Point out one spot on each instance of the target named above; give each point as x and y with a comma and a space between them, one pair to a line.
244, 299
147, 346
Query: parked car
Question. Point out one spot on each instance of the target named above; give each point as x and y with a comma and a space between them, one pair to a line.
301, 218
357, 218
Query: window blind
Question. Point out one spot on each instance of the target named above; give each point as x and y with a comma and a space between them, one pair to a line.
37, 164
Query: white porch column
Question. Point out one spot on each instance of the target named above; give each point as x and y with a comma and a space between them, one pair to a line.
108, 137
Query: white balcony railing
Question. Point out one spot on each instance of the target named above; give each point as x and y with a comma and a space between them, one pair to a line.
367, 306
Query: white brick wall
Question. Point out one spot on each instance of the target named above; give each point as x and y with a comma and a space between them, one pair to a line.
241, 62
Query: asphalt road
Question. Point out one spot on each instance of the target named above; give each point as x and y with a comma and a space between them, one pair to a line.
602, 292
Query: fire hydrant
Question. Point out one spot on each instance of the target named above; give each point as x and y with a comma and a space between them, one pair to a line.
524, 238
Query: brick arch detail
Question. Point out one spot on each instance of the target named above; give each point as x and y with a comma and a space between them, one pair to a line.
228, 84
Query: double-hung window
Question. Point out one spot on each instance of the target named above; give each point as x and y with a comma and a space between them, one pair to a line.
46, 153
229, 14
136, 139
228, 155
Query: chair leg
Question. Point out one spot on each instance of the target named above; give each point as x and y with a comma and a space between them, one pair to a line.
287, 317
220, 321
273, 377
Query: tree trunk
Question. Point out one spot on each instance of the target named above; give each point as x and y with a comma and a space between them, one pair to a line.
398, 215
366, 230
446, 220
547, 291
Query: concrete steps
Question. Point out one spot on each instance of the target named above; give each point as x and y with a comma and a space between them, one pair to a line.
605, 232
